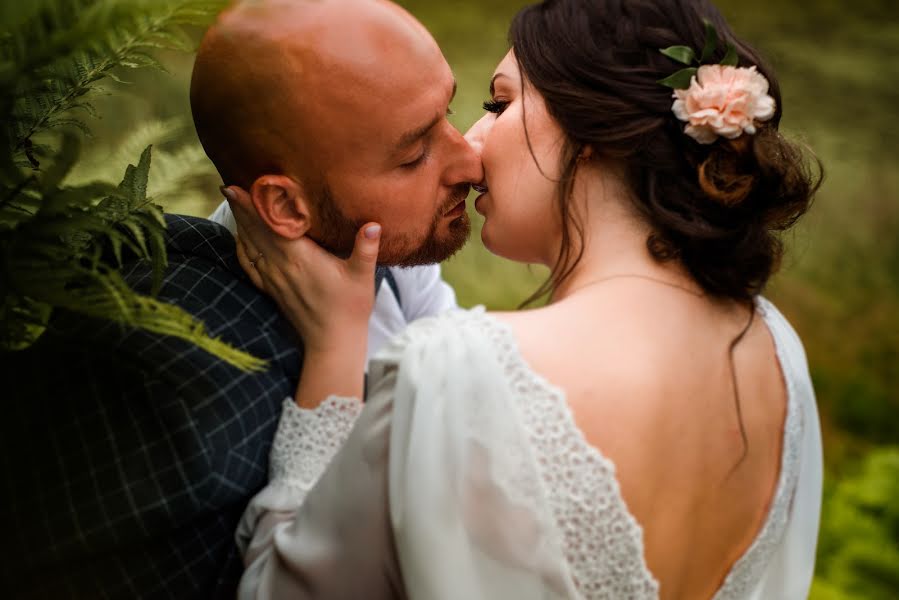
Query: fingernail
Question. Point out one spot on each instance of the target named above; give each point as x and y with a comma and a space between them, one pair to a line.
372, 231
228, 193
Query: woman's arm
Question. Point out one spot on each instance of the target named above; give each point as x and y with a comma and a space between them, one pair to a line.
324, 509
306, 536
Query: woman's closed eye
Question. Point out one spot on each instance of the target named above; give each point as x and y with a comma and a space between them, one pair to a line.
495, 106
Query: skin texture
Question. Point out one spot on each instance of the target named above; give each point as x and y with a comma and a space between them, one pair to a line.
517, 228
640, 351
304, 104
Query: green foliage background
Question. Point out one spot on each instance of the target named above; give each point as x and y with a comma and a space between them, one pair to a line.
64, 229
840, 286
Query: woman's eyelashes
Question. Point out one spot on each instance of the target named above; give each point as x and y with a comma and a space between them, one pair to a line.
495, 106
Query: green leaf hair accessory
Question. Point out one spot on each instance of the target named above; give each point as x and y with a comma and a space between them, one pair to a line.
687, 56
717, 100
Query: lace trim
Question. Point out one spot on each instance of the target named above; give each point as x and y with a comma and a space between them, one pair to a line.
602, 541
745, 572
307, 440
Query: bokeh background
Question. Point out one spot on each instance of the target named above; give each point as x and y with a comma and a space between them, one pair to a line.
839, 68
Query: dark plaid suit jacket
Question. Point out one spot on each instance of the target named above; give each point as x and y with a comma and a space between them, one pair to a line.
128, 457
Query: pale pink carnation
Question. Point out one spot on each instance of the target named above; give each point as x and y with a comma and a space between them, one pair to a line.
723, 101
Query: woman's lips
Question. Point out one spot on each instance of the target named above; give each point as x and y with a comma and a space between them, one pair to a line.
481, 189
477, 204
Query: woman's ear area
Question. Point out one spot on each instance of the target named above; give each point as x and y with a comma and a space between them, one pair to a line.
281, 202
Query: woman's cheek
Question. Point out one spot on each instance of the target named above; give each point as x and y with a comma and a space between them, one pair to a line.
501, 238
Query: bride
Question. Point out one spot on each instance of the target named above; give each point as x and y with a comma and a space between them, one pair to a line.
649, 433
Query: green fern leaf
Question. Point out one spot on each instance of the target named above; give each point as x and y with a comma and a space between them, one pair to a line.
137, 234
58, 224
134, 184
158, 254
174, 40
70, 149
22, 321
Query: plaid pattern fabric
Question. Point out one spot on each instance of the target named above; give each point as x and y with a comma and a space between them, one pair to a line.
128, 457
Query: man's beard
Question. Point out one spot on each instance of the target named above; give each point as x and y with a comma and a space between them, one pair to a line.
338, 233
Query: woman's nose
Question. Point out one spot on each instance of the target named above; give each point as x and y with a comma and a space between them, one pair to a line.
477, 134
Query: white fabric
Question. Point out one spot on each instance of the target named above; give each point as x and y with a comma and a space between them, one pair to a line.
422, 289
465, 476
791, 565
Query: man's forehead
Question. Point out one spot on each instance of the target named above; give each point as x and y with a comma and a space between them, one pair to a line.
355, 69
388, 109
328, 32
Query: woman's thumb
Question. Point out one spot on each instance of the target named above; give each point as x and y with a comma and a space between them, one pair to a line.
365, 252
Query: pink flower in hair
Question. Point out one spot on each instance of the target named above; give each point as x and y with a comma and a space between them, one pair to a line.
723, 101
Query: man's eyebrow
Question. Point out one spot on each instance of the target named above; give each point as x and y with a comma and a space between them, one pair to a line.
411, 137
493, 82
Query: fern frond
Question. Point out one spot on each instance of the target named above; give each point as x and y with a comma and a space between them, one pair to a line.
58, 226
176, 174
128, 29
180, 175
105, 295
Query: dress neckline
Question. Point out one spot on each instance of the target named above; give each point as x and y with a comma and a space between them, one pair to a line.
743, 573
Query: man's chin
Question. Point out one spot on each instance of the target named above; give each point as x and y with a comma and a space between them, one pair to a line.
436, 249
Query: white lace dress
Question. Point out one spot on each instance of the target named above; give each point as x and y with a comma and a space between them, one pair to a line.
466, 477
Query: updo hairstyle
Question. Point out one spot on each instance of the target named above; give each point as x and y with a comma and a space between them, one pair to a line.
718, 208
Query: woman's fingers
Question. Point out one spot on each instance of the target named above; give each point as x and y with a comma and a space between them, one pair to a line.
245, 244
248, 265
364, 259
250, 227
323, 296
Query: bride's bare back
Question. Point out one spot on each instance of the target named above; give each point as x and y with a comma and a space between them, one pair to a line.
647, 376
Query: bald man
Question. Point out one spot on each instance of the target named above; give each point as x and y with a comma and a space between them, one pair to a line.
326, 114
331, 114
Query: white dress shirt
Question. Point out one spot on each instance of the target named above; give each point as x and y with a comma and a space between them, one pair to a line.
422, 290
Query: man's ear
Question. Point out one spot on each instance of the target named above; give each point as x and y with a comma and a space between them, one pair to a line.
281, 202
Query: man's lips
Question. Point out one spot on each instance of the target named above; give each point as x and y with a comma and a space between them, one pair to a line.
456, 211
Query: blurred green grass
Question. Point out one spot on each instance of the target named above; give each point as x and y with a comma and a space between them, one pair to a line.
838, 67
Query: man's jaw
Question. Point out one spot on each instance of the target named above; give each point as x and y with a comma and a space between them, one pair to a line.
448, 234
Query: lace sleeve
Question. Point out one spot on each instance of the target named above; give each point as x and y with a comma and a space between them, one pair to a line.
320, 528
304, 445
307, 440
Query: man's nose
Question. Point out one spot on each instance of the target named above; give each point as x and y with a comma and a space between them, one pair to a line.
466, 166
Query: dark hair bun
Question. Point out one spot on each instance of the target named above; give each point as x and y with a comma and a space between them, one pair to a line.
728, 174
755, 187
718, 208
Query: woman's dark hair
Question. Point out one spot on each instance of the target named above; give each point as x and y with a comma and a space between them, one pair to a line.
718, 208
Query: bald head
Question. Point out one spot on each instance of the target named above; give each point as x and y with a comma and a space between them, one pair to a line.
273, 78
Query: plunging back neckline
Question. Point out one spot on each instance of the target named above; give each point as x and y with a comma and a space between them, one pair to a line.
551, 400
